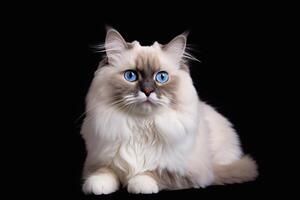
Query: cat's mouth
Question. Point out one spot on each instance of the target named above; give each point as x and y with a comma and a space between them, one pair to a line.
148, 101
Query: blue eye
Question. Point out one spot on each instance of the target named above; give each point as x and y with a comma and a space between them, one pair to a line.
130, 75
162, 77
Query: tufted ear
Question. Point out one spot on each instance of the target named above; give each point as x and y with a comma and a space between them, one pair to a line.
176, 47
114, 44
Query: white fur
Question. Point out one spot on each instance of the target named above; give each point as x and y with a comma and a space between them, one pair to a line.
142, 184
190, 139
103, 183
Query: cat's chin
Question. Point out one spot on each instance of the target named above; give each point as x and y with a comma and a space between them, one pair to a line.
145, 107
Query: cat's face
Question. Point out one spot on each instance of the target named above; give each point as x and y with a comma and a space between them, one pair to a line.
142, 79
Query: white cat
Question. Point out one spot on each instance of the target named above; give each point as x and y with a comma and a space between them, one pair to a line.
147, 129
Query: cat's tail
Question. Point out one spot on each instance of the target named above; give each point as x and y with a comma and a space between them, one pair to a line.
242, 170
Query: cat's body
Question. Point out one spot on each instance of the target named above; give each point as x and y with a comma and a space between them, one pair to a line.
163, 139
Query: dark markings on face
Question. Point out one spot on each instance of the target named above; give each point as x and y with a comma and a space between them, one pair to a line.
146, 66
170, 89
119, 89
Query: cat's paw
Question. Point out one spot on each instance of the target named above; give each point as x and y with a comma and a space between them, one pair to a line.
103, 183
142, 184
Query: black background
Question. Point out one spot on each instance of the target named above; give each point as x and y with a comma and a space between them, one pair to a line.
233, 42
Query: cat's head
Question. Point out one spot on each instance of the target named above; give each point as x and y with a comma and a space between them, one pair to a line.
142, 79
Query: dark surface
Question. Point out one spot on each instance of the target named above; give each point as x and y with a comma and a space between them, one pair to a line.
232, 43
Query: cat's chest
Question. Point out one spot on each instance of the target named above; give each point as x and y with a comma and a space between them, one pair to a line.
141, 128
163, 131
141, 149
142, 135
146, 148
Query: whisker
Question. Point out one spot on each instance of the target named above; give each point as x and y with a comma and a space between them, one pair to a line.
85, 112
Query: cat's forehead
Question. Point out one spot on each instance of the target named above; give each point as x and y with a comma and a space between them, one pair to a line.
147, 61
146, 57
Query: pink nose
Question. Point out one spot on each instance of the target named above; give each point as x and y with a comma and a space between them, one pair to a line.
147, 91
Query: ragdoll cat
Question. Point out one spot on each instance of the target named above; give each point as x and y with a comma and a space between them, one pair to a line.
145, 127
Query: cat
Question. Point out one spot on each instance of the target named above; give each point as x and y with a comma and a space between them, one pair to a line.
146, 128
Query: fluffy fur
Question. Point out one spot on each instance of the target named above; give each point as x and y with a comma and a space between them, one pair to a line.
168, 140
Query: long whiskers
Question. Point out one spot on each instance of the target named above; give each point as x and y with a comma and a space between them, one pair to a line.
85, 112
127, 104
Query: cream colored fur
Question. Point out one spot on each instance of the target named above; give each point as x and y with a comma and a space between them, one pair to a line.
189, 139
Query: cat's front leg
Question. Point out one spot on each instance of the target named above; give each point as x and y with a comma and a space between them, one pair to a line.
142, 183
102, 181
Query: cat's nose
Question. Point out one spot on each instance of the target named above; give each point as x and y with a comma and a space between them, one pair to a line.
147, 91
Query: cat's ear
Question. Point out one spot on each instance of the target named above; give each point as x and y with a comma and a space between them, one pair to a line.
176, 47
114, 44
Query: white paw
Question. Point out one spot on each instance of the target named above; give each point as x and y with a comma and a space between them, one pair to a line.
103, 183
142, 184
